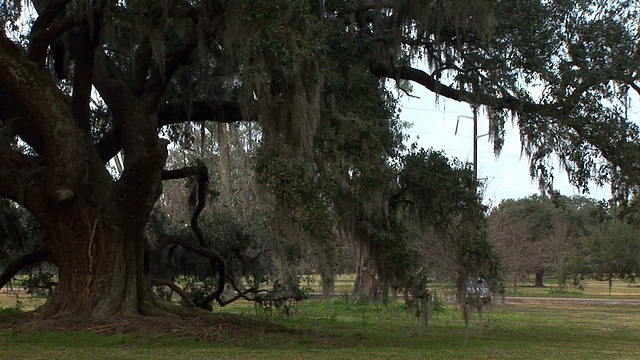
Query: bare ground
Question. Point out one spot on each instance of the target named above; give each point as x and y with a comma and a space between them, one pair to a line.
226, 329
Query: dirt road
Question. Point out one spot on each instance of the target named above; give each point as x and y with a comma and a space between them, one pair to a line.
577, 301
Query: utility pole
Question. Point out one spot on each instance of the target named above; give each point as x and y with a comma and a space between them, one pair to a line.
475, 142
475, 138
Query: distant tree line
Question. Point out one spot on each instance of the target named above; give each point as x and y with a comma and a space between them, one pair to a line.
570, 238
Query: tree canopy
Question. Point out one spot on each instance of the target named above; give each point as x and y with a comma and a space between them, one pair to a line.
84, 81
539, 235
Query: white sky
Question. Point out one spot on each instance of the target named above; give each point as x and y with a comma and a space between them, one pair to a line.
507, 176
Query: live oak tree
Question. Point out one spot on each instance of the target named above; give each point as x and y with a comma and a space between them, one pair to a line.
95, 224
84, 81
537, 235
611, 250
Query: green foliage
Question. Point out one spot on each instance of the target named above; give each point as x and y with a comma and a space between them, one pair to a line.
248, 247
305, 194
539, 234
11, 310
48, 340
437, 189
39, 283
441, 196
613, 249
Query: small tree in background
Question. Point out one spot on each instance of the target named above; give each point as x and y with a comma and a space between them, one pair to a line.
611, 251
538, 235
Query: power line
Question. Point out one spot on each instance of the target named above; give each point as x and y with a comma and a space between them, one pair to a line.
423, 132
435, 110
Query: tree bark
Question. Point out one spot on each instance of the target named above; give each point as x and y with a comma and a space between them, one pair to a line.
224, 164
364, 283
328, 279
101, 260
539, 276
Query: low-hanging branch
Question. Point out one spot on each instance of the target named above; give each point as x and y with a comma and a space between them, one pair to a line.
175, 288
20, 263
223, 111
240, 294
559, 111
218, 262
555, 110
201, 174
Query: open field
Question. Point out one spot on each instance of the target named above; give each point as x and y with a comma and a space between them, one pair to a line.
529, 328
537, 329
342, 331
18, 298
592, 289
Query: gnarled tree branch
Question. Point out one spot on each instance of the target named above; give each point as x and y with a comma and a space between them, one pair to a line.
20, 263
217, 261
240, 294
635, 87
175, 288
214, 256
15, 171
202, 176
223, 111
51, 117
555, 110
41, 36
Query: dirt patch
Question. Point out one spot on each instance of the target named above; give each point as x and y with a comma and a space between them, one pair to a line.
226, 329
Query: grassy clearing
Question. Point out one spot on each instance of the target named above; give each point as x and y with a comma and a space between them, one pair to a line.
17, 297
537, 330
20, 299
591, 289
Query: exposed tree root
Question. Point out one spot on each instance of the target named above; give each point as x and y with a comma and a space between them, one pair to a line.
172, 322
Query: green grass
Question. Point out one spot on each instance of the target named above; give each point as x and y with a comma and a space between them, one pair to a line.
345, 331
341, 330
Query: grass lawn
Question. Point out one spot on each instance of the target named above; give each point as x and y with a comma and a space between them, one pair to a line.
535, 330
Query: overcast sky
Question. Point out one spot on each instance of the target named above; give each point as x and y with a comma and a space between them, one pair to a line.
434, 125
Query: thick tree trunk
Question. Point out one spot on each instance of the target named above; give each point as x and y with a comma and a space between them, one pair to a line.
101, 260
224, 164
539, 276
364, 289
327, 278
